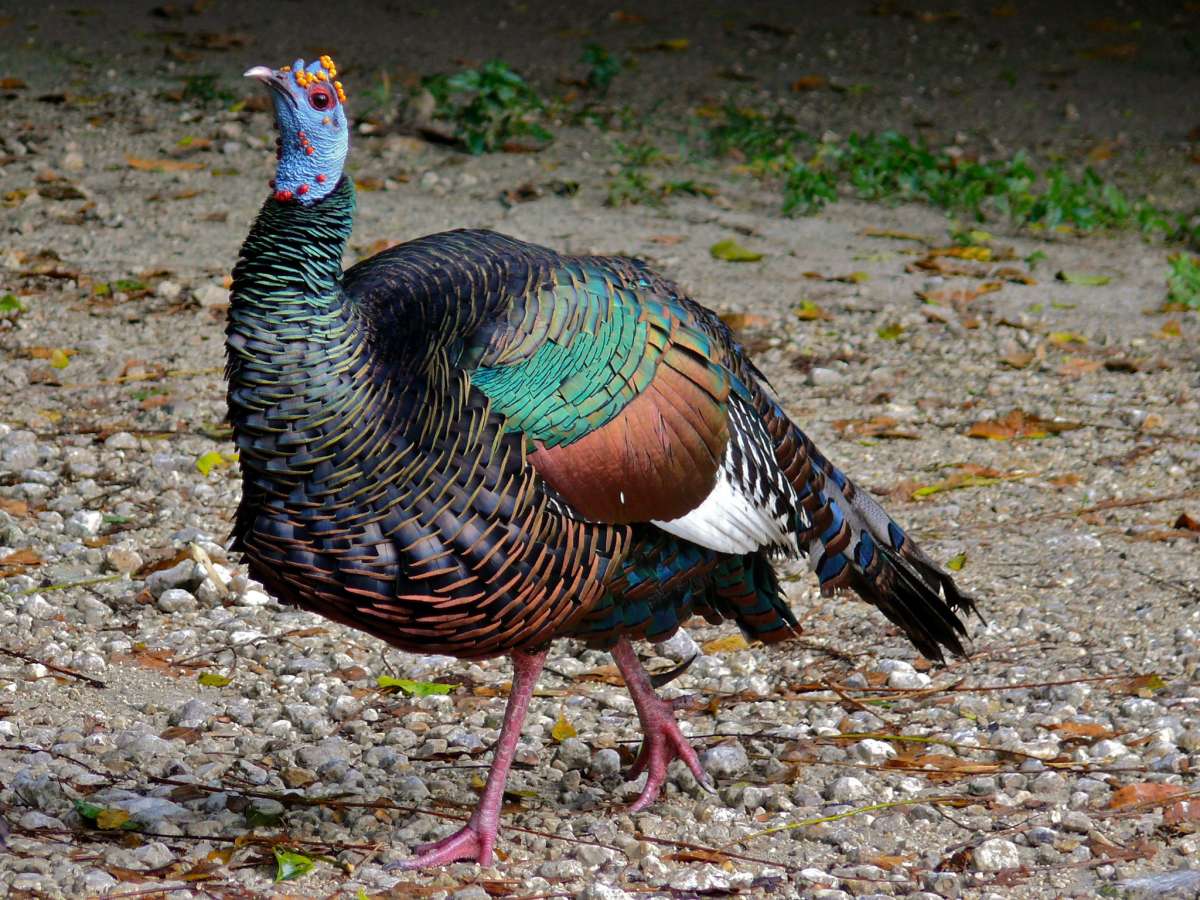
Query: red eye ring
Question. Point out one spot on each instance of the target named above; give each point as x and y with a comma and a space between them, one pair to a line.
320, 98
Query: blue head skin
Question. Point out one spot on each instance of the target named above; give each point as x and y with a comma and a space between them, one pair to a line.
314, 135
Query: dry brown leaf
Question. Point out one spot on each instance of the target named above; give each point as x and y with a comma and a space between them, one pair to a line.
959, 296
1019, 424
1182, 811
809, 83
1187, 523
1092, 731
14, 507
1070, 479
739, 321
162, 165
1144, 794
874, 427
667, 240
1021, 359
1078, 366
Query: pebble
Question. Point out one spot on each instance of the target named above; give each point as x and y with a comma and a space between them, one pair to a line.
122, 558
846, 788
679, 648
85, 523
908, 681
211, 296
606, 763
874, 752
182, 575
574, 753
176, 600
726, 760
995, 854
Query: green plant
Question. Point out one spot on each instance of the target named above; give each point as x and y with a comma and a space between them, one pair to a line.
632, 184
806, 190
603, 67
1183, 281
488, 107
204, 88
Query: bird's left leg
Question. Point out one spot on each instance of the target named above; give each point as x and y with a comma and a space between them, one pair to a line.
662, 741
476, 839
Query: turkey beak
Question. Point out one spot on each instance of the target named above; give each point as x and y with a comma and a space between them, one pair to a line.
272, 78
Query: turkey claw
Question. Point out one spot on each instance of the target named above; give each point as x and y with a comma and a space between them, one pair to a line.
466, 844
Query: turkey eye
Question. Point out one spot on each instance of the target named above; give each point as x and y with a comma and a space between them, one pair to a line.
320, 99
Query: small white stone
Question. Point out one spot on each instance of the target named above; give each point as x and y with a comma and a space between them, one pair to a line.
996, 854
344, 707
38, 607
211, 295
84, 523
874, 752
168, 290
176, 600
846, 788
254, 598
121, 440
908, 681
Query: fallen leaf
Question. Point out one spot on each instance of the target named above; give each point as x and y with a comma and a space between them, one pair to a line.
1182, 811
289, 865
1076, 366
1065, 338
730, 250
808, 311
890, 332
12, 84
959, 296
1170, 330
667, 240
956, 562
414, 688
562, 728
1019, 360
739, 321
14, 508
1141, 685
1148, 793
1089, 730
977, 253
109, 819
1019, 424
894, 235
1070, 479
809, 83
214, 459
728, 644
213, 679
1187, 523
874, 427
162, 165
1083, 278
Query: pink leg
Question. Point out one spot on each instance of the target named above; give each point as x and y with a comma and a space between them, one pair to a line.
476, 839
662, 740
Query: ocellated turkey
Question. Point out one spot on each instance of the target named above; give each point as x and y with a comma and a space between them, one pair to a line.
472, 445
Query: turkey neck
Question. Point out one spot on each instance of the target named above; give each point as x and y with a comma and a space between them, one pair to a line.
297, 368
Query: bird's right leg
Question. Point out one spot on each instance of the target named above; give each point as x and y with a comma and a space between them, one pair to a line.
476, 839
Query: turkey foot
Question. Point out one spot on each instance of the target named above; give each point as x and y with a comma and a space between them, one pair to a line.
469, 842
476, 839
662, 741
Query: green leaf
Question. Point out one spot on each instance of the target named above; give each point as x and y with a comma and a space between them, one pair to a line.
88, 811
1034, 258
1083, 278
9, 304
214, 459
890, 332
731, 251
414, 688
289, 865
956, 562
212, 679
59, 358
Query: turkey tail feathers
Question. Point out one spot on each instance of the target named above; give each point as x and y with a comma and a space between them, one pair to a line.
854, 545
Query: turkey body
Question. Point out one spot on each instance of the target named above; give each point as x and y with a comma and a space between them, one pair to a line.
472, 445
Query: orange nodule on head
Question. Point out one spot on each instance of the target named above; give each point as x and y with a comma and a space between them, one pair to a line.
327, 73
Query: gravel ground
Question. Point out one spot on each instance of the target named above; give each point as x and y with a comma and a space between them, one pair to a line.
1059, 760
